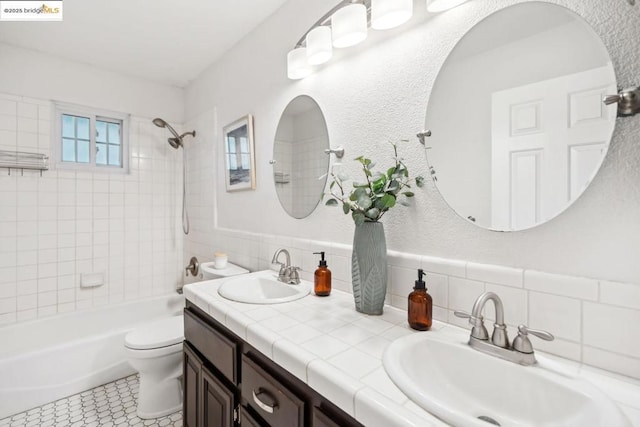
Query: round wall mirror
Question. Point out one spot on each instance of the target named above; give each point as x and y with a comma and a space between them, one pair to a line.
300, 164
518, 127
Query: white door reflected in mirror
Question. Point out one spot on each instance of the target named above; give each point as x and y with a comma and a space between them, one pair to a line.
518, 126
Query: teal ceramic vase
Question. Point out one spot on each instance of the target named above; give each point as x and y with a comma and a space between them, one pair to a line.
369, 267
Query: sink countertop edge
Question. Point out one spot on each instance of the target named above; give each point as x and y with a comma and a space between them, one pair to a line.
365, 399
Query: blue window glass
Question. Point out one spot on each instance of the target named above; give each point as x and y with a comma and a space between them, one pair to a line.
68, 150
114, 155
68, 126
101, 131
101, 154
83, 151
114, 133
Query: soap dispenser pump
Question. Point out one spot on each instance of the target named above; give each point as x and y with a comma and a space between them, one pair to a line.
322, 278
420, 306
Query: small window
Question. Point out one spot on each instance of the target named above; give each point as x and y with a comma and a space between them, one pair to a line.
90, 139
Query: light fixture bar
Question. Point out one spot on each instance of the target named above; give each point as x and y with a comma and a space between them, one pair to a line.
350, 29
326, 18
435, 6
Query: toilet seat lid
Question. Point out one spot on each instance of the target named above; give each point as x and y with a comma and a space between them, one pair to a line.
160, 333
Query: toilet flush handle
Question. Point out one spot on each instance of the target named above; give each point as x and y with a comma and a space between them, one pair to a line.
193, 267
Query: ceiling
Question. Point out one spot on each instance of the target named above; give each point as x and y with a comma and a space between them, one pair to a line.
170, 42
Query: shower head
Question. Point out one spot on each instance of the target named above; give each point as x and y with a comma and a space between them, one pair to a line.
159, 122
162, 124
176, 141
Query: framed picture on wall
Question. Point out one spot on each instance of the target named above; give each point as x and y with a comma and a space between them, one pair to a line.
239, 155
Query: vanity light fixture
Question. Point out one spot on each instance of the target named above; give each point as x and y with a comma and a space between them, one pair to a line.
386, 14
297, 65
349, 25
442, 5
346, 25
319, 45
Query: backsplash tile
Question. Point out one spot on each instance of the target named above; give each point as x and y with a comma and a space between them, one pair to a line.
547, 301
444, 266
495, 274
605, 335
560, 347
622, 294
463, 293
611, 361
575, 287
514, 301
556, 314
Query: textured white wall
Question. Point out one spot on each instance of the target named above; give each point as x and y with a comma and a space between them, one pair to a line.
28, 73
379, 91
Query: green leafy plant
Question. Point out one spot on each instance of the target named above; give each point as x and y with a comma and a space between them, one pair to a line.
368, 201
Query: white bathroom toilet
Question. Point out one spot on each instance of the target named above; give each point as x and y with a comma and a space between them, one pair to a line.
209, 272
155, 351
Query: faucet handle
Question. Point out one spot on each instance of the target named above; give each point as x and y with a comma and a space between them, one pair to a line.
522, 343
478, 331
285, 271
462, 314
294, 278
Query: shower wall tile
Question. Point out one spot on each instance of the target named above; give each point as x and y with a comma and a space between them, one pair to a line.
57, 226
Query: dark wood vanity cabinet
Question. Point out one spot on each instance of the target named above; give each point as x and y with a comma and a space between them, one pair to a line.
207, 402
228, 383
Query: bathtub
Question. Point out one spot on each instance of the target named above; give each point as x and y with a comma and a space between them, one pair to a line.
51, 358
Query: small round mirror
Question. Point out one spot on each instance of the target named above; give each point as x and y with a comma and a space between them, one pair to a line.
518, 126
300, 164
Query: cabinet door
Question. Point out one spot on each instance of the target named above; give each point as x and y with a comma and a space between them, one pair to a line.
217, 402
246, 420
192, 372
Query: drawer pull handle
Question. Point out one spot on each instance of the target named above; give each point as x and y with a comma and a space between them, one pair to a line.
264, 406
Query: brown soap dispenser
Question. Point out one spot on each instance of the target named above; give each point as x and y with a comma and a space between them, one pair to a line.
420, 305
322, 278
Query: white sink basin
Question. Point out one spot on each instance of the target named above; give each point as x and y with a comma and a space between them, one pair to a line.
262, 288
458, 384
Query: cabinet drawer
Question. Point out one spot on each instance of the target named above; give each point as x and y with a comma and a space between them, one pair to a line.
270, 398
214, 346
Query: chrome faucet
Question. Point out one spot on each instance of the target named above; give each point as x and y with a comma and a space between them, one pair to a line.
521, 351
287, 274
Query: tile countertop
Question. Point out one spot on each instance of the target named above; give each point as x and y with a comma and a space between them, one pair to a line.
338, 352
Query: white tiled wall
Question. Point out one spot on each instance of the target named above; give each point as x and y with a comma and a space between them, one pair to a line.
58, 226
594, 322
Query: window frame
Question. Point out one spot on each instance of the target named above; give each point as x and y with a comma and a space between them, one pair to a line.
92, 114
